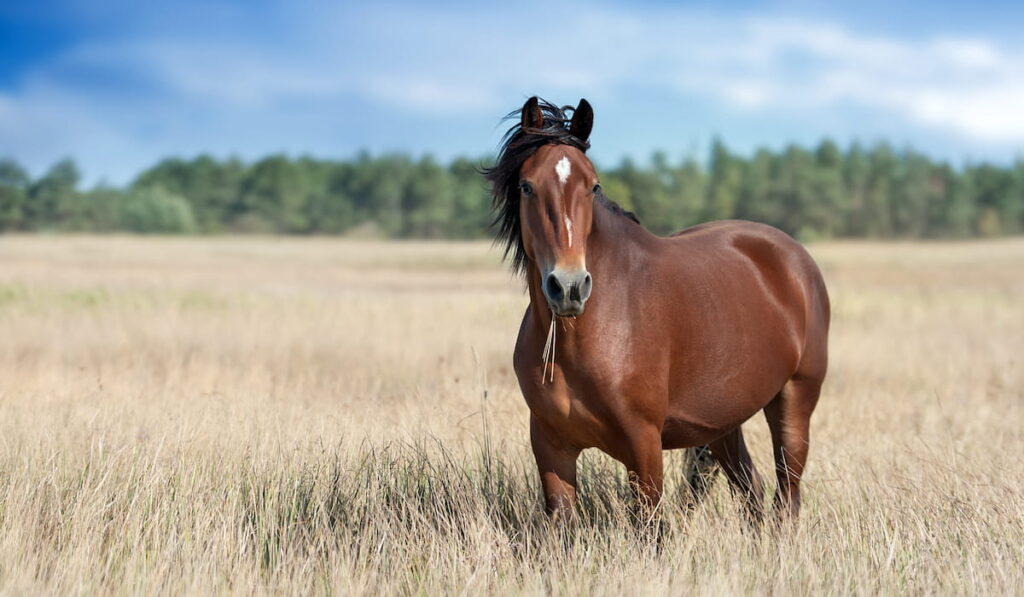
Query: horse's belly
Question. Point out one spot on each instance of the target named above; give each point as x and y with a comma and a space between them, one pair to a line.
681, 433
706, 412
686, 432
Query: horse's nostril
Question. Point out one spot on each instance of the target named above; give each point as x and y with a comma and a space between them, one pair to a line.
587, 281
553, 288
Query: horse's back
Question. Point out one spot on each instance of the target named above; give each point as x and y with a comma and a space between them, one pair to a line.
770, 249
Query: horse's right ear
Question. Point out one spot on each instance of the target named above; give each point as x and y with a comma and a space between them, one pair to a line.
533, 118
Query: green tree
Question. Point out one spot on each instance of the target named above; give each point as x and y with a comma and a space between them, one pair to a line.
813, 193
910, 195
471, 209
1015, 202
824, 205
377, 190
329, 206
725, 179
154, 210
53, 196
274, 196
877, 212
758, 199
212, 187
14, 184
427, 203
690, 189
997, 198
795, 188
856, 180
951, 207
105, 203
648, 197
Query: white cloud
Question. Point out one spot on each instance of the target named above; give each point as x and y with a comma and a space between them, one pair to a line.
233, 74
968, 86
964, 86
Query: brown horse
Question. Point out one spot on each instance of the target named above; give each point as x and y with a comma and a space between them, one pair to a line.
634, 343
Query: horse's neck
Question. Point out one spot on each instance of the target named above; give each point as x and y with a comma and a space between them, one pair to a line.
612, 243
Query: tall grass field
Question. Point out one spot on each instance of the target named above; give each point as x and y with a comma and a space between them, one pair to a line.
296, 416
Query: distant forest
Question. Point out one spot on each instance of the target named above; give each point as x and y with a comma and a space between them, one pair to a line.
823, 192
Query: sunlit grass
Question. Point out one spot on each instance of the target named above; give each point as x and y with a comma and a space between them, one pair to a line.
295, 416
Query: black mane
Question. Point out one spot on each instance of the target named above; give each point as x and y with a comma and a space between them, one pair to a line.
517, 145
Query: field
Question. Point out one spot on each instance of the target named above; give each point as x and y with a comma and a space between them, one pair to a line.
295, 416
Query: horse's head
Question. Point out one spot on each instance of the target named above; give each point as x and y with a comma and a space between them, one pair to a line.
557, 187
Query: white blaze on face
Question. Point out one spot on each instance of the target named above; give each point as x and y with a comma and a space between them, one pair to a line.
563, 168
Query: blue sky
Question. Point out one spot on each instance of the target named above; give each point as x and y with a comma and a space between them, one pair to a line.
118, 85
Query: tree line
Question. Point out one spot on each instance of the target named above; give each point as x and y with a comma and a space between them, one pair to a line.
820, 192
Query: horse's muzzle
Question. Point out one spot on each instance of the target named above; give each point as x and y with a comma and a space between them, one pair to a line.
567, 291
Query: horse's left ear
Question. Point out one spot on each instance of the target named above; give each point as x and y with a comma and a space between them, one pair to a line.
582, 121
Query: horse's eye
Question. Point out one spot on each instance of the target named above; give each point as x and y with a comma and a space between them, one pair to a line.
596, 189
526, 188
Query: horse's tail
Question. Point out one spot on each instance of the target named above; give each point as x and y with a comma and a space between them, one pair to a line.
701, 470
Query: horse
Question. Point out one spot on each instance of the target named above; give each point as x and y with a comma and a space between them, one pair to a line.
634, 343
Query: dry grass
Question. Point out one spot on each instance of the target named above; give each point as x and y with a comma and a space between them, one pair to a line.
294, 416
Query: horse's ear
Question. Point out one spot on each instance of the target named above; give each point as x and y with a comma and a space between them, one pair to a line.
533, 118
582, 121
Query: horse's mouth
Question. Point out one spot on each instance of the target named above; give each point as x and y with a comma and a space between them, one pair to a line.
571, 313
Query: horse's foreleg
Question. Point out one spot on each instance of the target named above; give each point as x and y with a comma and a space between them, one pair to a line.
556, 463
789, 418
646, 470
731, 453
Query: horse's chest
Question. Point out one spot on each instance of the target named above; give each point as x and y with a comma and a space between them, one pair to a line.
577, 416
571, 399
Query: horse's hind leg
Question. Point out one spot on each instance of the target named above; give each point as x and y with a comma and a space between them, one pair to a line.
789, 418
700, 473
731, 453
